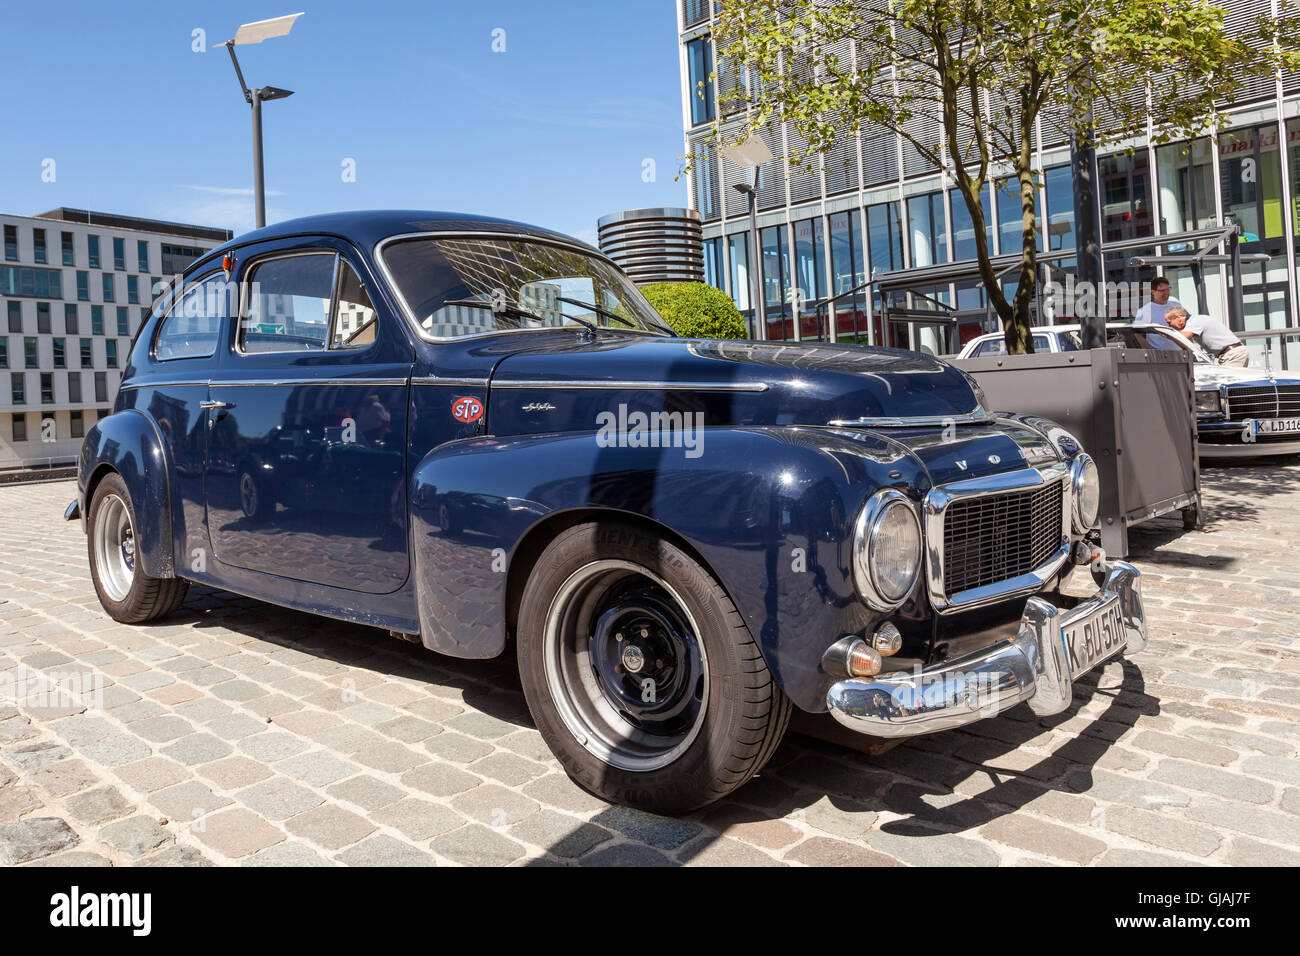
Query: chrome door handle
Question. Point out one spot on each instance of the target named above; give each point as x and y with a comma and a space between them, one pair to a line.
209, 403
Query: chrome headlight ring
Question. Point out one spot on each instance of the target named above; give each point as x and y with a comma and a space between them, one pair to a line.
1085, 488
883, 504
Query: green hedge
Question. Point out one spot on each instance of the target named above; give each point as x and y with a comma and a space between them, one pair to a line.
696, 310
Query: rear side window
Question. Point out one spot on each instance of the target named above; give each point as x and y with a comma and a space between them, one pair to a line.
288, 304
192, 323
996, 346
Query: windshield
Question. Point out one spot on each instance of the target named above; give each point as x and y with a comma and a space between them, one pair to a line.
522, 283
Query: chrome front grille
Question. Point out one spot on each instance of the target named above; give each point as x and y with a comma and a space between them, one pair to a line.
996, 537
1263, 401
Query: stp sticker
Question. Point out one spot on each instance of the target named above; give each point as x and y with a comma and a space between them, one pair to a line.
467, 410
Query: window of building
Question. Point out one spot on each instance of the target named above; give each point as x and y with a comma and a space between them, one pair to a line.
77, 423
110, 353
11, 243
1059, 183
15, 310
101, 386
776, 276
29, 353
20, 428
809, 272
1125, 196
133, 289
119, 254
699, 58
74, 387
108, 286
43, 318
123, 322
37, 283
290, 310
190, 327
713, 262
885, 237
70, 323
704, 181
87, 353
69, 256
102, 413
1186, 176
142, 254
738, 263
96, 320
1250, 176
1011, 217
4, 351
38, 246
60, 353
47, 388
847, 272
83, 286
176, 259
963, 226
929, 233
92, 251
18, 390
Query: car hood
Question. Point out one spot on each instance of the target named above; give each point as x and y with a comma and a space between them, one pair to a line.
1212, 376
565, 386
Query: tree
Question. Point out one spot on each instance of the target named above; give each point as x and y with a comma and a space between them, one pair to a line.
696, 310
990, 71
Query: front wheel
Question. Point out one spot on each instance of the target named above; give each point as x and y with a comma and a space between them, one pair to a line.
640, 674
128, 594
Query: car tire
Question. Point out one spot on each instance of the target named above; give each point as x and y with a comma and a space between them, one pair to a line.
128, 594
608, 595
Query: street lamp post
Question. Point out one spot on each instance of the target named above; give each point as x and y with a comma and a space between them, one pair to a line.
751, 154
255, 33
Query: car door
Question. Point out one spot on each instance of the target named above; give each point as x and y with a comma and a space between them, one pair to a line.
305, 475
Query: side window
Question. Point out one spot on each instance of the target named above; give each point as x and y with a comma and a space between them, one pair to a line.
1070, 342
991, 347
288, 302
1042, 343
355, 321
191, 325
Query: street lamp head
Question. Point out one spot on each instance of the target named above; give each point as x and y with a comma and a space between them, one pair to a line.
743, 188
261, 30
273, 93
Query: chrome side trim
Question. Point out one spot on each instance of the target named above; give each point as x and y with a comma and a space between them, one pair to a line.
934, 509
1035, 666
977, 417
245, 383
163, 384
463, 382
658, 386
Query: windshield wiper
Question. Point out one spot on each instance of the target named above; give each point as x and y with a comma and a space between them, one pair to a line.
513, 311
598, 310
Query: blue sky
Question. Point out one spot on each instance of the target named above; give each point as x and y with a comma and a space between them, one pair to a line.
555, 130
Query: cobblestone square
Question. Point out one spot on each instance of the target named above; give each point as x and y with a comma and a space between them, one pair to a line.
237, 732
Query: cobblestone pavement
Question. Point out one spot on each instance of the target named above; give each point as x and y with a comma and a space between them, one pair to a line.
238, 732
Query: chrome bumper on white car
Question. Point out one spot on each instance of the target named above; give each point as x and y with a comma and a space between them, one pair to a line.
1052, 649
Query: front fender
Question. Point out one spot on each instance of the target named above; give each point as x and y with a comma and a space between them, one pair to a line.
128, 443
769, 510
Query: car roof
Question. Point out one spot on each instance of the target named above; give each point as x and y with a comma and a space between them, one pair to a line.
365, 228
1141, 326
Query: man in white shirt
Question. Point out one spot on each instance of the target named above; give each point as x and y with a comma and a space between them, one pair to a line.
1216, 338
1153, 313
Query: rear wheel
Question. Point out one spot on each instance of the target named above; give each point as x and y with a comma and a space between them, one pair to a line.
640, 673
127, 593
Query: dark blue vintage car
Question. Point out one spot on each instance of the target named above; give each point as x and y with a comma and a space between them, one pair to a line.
480, 433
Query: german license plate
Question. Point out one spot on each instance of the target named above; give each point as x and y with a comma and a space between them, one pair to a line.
1092, 639
1274, 426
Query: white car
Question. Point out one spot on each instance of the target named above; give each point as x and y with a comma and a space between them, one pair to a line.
1240, 412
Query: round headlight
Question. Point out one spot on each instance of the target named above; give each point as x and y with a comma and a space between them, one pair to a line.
1087, 492
886, 549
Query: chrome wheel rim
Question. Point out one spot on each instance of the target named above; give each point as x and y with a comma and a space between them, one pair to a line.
114, 548
612, 626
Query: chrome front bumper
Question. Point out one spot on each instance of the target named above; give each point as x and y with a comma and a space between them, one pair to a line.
1034, 666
